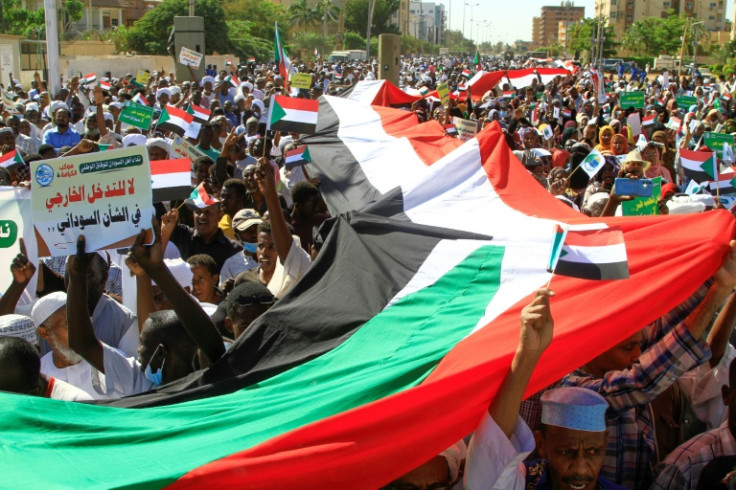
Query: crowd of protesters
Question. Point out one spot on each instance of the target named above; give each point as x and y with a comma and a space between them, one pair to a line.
655, 411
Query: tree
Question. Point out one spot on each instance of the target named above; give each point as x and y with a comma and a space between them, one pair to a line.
261, 16
587, 29
457, 42
654, 36
356, 16
327, 12
353, 40
304, 43
20, 21
245, 44
72, 12
301, 15
151, 33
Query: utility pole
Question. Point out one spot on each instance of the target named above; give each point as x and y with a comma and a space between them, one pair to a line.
52, 46
371, 4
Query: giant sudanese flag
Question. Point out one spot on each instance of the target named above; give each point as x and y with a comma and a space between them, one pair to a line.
391, 347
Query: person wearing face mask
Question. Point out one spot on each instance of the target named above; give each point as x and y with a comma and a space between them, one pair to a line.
245, 226
166, 351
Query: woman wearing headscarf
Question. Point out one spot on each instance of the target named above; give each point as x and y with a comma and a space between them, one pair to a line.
619, 145
668, 153
605, 136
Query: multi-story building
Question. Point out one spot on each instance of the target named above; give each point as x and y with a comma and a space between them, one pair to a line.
427, 21
546, 27
622, 13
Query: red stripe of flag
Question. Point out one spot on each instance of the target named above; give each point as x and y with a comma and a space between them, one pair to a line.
159, 167
297, 103
593, 238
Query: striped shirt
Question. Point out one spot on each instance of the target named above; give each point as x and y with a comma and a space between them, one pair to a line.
683, 467
672, 351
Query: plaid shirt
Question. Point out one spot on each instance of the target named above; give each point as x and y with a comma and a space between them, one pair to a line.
683, 467
672, 351
114, 283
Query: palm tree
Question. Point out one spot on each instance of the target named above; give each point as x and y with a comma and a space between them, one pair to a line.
301, 15
326, 11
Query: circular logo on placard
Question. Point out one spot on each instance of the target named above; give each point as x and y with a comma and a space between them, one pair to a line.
44, 175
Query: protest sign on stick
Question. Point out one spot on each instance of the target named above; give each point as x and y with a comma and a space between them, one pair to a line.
104, 196
190, 57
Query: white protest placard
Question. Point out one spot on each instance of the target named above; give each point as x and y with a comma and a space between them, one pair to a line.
15, 223
104, 196
193, 130
634, 123
466, 128
665, 80
190, 57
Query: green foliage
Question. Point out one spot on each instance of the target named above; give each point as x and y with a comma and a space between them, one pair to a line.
654, 36
246, 45
356, 16
410, 44
582, 32
22, 22
150, 34
353, 40
457, 42
302, 16
261, 16
303, 44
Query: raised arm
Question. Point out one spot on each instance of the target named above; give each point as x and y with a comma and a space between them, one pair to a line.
22, 270
196, 322
267, 185
537, 326
82, 337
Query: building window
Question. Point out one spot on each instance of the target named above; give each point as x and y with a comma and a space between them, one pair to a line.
666, 5
114, 22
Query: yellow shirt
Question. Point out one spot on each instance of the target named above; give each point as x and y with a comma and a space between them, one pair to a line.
226, 225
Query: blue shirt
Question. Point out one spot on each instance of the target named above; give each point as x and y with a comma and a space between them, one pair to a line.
56, 139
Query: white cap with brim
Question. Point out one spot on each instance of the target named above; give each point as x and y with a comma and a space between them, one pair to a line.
47, 306
574, 408
19, 326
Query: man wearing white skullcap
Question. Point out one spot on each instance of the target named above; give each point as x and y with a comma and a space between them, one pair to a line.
162, 97
572, 440
49, 315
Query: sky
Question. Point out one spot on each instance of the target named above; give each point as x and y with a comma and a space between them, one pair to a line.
509, 20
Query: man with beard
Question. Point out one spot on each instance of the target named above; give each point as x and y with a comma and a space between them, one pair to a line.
61, 134
49, 316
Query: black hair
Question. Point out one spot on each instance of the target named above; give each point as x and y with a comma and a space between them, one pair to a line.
264, 227
303, 191
204, 260
237, 185
21, 365
247, 293
164, 327
204, 160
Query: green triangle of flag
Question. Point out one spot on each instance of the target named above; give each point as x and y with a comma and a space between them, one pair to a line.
733, 182
308, 159
277, 113
708, 167
163, 117
189, 109
563, 252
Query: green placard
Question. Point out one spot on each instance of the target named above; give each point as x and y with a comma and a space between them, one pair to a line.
685, 101
715, 142
632, 99
137, 115
644, 206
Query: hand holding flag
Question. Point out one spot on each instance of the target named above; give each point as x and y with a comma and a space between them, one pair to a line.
588, 253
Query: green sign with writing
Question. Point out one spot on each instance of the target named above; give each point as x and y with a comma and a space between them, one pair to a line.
644, 206
137, 115
8, 233
685, 101
715, 142
632, 99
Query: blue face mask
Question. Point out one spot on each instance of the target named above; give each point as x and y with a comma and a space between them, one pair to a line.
250, 247
157, 377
